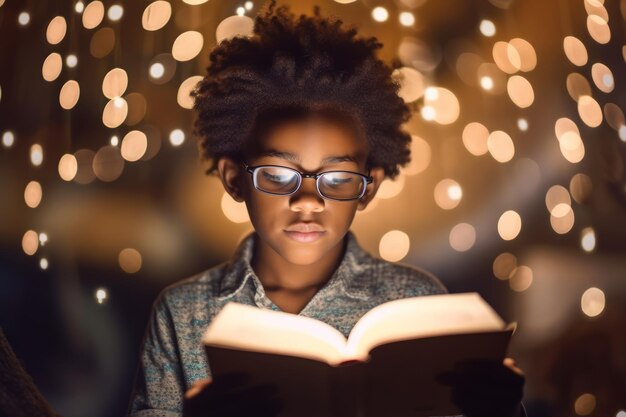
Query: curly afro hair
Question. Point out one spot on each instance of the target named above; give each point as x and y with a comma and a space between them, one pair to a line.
299, 67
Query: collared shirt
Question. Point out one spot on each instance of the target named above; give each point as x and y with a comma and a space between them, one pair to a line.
173, 357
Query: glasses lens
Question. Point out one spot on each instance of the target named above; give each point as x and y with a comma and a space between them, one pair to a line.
341, 185
276, 180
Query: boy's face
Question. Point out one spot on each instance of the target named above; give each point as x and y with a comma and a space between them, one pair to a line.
307, 146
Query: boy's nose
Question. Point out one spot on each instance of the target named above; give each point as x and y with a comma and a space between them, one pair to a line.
307, 198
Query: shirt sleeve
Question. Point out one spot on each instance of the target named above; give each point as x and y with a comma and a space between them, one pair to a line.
159, 386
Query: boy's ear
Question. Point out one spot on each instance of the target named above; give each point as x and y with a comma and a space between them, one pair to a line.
230, 173
378, 175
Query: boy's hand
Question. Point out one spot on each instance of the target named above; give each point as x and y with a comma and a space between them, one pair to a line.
229, 396
484, 388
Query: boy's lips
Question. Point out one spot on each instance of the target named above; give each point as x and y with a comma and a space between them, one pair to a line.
305, 232
303, 227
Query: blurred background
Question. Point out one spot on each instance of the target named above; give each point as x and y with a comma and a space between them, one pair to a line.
516, 188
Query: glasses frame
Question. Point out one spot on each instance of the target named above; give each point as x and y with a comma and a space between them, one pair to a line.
367, 179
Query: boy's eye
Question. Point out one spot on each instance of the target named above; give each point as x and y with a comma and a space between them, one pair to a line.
338, 179
277, 177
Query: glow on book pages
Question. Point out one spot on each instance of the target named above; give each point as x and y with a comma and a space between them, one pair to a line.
274, 332
424, 316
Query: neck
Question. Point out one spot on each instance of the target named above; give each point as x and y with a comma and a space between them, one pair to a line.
278, 274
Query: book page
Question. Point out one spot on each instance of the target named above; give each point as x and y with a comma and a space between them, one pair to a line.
421, 316
245, 327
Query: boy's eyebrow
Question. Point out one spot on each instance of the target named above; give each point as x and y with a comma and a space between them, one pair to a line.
294, 158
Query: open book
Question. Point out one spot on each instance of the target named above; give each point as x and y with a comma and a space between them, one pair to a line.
386, 367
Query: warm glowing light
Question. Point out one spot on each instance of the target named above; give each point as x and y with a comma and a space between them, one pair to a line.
588, 239
526, 52
8, 138
156, 15
129, 260
79, 7
101, 295
115, 112
486, 83
420, 156
43, 238
577, 86
489, 75
70, 92
580, 187
598, 29
596, 7
521, 278
575, 51
614, 116
586, 403
589, 111
108, 163
475, 138
380, 14
183, 98
115, 12
406, 18
394, 245
509, 225
134, 145
411, 83
23, 18
503, 265
71, 61
522, 124
32, 194
68, 167
56, 30
157, 70
428, 113
564, 222
93, 14
43, 263
462, 237
177, 137
443, 105
234, 26
487, 28
195, 2
557, 194
602, 77
114, 83
506, 57
391, 188
520, 91
248, 5
52, 66
187, 45
234, 211
240, 11
500, 146
448, 194
36, 154
30, 242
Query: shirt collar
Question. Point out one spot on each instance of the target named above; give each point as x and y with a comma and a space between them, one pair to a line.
354, 263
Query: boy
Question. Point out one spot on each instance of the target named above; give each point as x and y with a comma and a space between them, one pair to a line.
302, 123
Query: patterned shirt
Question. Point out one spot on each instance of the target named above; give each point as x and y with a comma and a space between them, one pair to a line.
173, 357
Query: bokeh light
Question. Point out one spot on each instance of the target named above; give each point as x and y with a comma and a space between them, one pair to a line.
394, 245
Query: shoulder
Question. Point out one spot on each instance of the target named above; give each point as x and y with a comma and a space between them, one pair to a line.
197, 289
409, 279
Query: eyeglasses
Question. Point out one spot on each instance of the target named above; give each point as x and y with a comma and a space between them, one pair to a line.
334, 185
